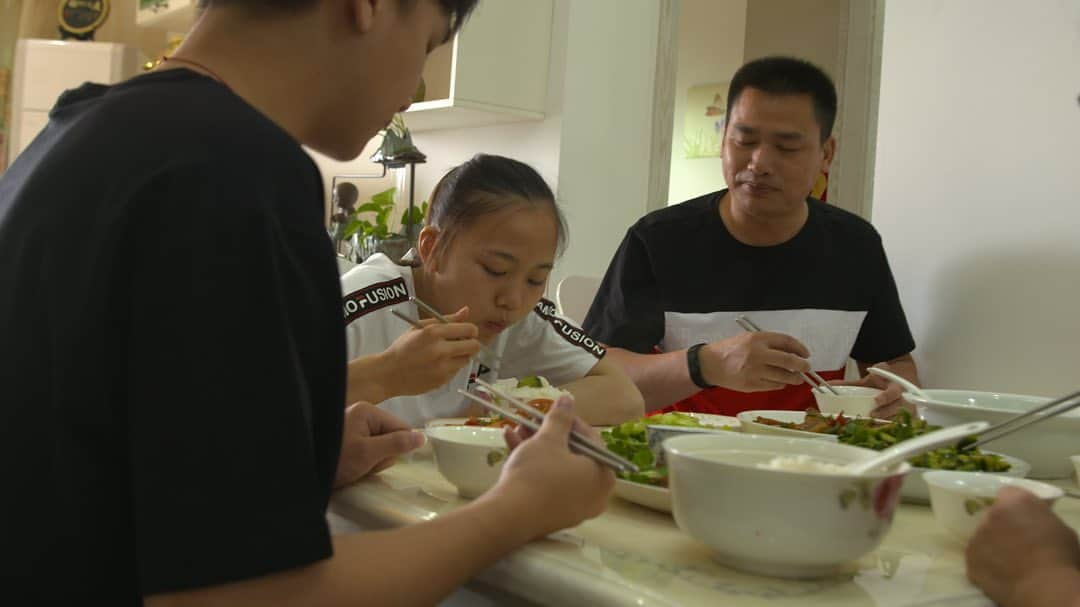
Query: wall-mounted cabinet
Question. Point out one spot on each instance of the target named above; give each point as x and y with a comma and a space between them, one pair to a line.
46, 68
494, 71
169, 15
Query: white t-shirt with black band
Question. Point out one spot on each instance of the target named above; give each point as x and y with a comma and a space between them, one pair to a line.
543, 343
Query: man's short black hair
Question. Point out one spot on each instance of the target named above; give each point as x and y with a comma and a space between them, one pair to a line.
788, 76
457, 9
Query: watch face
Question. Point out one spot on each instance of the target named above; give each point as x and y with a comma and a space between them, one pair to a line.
83, 16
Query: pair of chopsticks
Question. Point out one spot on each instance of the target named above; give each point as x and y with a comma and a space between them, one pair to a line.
1025, 419
749, 325
578, 442
492, 358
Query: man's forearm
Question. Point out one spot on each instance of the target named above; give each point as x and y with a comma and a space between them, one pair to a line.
904, 366
407, 566
663, 379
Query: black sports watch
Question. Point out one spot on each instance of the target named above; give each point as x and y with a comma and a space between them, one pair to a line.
693, 364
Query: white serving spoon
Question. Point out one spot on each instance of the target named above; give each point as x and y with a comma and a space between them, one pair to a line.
910, 448
907, 385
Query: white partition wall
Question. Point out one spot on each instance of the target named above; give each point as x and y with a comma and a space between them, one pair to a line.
977, 190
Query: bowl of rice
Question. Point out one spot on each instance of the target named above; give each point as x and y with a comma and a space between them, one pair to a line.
750, 497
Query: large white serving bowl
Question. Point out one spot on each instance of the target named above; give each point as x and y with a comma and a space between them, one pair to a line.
915, 490
795, 417
853, 401
959, 499
1046, 445
470, 457
775, 522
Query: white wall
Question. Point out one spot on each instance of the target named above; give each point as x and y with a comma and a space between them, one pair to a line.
606, 126
813, 30
977, 192
711, 38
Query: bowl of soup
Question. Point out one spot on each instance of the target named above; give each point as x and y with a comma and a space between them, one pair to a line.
778, 506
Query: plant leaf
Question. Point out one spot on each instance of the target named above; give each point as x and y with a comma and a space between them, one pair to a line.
385, 197
353, 226
368, 207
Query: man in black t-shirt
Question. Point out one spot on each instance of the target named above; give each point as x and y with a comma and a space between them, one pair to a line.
173, 359
813, 276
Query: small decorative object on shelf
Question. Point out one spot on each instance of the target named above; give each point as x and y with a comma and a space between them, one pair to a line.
399, 153
79, 19
153, 5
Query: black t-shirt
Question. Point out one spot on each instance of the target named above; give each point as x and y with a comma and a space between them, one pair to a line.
172, 351
680, 277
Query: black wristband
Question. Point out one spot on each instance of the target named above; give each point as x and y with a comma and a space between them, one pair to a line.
693, 364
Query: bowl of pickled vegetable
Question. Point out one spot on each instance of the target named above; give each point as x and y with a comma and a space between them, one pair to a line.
881, 434
904, 426
1046, 445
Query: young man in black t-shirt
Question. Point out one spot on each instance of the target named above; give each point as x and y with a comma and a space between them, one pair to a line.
173, 358
812, 275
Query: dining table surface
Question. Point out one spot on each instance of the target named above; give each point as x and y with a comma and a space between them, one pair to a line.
632, 555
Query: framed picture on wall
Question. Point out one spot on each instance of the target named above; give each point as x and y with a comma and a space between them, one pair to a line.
704, 124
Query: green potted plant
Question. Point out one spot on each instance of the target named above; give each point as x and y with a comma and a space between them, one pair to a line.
367, 228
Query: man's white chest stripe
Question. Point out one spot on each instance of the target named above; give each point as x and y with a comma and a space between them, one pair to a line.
829, 334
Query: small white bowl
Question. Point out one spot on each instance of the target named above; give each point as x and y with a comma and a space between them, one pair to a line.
1046, 445
853, 401
959, 499
470, 457
777, 522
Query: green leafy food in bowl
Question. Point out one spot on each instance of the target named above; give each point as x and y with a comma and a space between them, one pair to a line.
630, 441
530, 381
904, 427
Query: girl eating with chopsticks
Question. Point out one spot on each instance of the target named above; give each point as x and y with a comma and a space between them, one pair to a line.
483, 259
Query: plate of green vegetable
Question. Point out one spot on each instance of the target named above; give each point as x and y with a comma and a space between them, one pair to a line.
631, 440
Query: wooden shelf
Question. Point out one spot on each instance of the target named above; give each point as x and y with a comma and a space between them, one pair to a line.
461, 113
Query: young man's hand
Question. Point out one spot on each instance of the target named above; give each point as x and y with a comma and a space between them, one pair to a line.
547, 486
372, 438
1021, 549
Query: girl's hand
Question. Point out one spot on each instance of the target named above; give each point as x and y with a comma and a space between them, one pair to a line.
427, 358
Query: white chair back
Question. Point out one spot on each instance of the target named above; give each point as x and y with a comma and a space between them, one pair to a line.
574, 295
